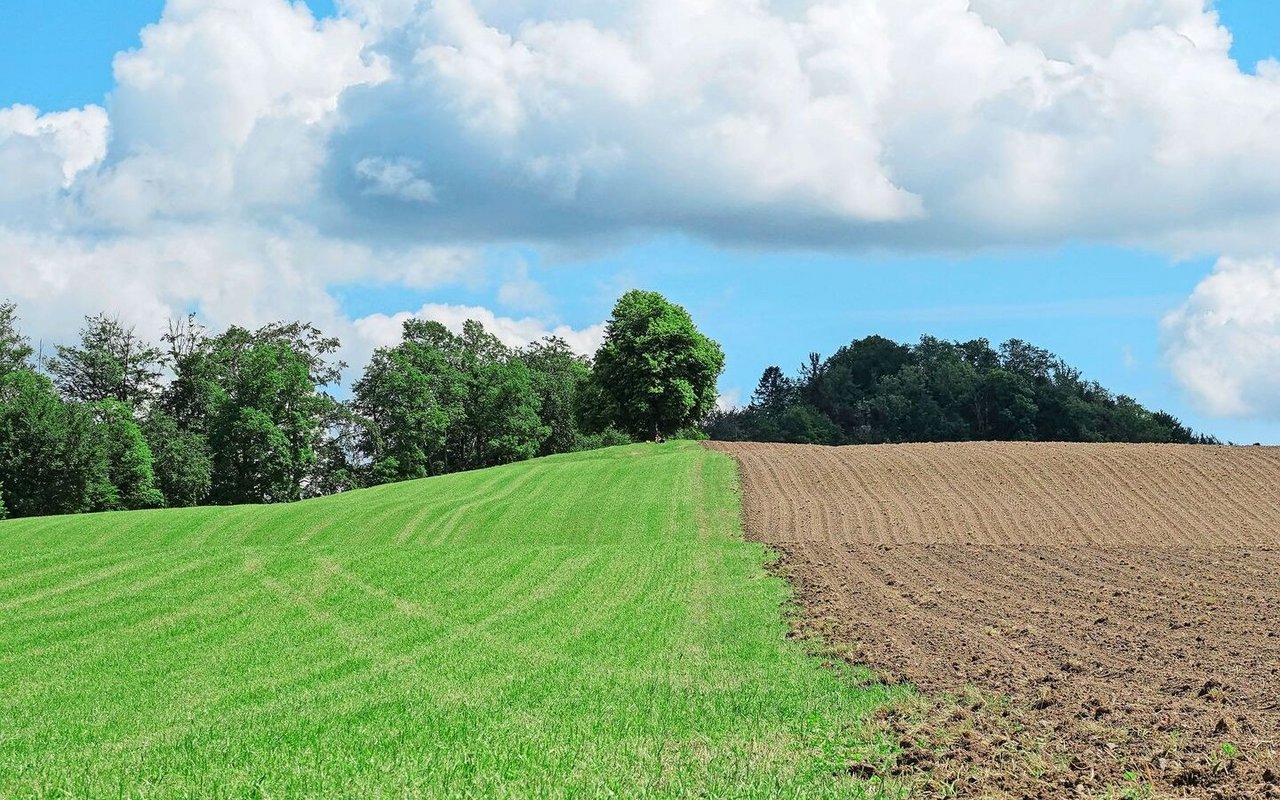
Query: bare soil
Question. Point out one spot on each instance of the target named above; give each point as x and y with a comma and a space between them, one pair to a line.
1084, 620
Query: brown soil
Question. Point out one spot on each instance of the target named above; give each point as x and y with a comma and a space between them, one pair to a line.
1086, 620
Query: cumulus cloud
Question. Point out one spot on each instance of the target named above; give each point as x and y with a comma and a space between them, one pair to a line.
251, 157
1223, 344
913, 123
1061, 29
226, 105
383, 330
75, 139
191, 189
847, 123
41, 155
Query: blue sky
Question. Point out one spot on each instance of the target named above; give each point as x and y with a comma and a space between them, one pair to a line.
767, 299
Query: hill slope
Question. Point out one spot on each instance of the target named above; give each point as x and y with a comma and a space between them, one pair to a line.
572, 626
1125, 596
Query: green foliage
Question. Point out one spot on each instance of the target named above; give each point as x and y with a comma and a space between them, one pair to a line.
264, 428
111, 363
1007, 406
408, 393
181, 460
68, 457
656, 371
245, 416
340, 465
126, 479
690, 433
439, 402
609, 437
558, 376
876, 390
804, 424
253, 461
256, 399
583, 626
50, 462
191, 398
15, 350
500, 422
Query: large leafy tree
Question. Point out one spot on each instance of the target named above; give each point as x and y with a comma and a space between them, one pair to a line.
254, 401
268, 423
410, 394
111, 362
657, 372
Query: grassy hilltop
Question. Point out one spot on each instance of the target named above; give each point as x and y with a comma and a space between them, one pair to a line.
575, 626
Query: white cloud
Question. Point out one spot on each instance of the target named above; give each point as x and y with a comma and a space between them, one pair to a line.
1223, 344
911, 123
832, 123
226, 104
1061, 28
251, 157
77, 139
729, 400
383, 330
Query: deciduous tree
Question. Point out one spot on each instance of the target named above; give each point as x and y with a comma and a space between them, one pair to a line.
657, 372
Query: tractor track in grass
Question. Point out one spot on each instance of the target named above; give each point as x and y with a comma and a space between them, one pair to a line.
1084, 619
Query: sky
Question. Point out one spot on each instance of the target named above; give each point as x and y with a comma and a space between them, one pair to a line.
1101, 179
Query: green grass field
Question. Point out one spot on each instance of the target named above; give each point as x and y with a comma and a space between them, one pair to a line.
585, 625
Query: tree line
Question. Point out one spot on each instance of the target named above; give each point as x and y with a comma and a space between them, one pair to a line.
876, 390
115, 422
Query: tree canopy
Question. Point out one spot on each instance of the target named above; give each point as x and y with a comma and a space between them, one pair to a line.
111, 363
875, 390
249, 416
656, 371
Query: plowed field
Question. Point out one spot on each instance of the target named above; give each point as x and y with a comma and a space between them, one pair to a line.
1110, 614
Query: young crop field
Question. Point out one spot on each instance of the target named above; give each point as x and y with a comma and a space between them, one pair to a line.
1089, 620
584, 625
